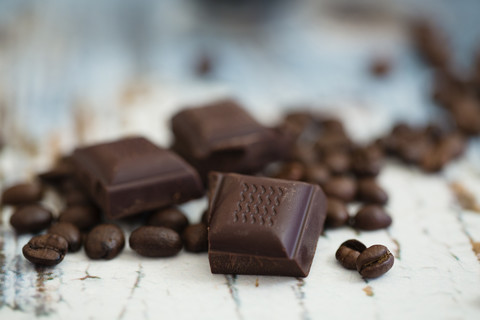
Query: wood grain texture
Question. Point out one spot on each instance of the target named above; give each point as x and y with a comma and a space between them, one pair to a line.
72, 75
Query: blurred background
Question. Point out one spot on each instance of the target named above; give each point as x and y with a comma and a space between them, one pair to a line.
76, 71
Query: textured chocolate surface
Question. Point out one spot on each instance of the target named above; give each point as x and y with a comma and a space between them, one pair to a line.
132, 175
222, 136
263, 226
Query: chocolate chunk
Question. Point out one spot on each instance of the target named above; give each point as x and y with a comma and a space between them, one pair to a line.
369, 191
195, 238
374, 261
342, 187
31, 219
222, 136
151, 241
70, 232
83, 217
105, 241
133, 175
348, 253
371, 217
45, 250
171, 218
263, 226
23, 193
337, 214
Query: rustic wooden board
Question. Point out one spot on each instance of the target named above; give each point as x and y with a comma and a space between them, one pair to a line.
62, 84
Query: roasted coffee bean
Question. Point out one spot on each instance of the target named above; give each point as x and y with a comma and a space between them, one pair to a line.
292, 171
342, 187
370, 192
151, 241
466, 113
348, 253
105, 241
337, 213
84, 217
195, 238
338, 162
70, 232
317, 173
62, 170
31, 218
304, 154
374, 261
76, 198
23, 193
45, 250
414, 150
332, 141
431, 44
367, 161
171, 218
371, 217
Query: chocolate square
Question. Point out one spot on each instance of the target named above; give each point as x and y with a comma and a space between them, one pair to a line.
263, 226
133, 175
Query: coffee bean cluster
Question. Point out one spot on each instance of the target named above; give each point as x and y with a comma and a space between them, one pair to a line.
371, 262
80, 223
323, 154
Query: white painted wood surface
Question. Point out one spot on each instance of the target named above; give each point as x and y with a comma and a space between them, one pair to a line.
67, 80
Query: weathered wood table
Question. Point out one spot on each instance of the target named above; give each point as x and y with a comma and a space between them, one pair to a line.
81, 72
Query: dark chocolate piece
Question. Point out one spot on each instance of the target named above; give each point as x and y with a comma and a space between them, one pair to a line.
133, 175
263, 226
224, 137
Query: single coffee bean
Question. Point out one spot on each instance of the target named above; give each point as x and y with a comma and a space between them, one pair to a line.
152, 241
371, 217
338, 162
304, 154
342, 187
317, 173
337, 213
45, 250
62, 170
31, 218
367, 161
23, 193
83, 217
171, 218
374, 261
105, 241
70, 232
292, 171
370, 192
195, 238
348, 253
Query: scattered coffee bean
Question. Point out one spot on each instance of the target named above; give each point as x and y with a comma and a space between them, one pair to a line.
337, 214
171, 218
62, 171
195, 238
105, 241
83, 217
342, 187
367, 161
76, 198
45, 250
338, 162
374, 261
317, 173
23, 193
291, 171
31, 218
70, 232
348, 253
371, 217
370, 192
152, 241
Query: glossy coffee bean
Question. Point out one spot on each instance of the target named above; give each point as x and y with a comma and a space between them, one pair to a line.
343, 188
23, 193
70, 232
292, 171
195, 238
45, 250
371, 217
369, 191
62, 170
105, 241
337, 213
152, 241
338, 162
317, 174
83, 217
171, 218
31, 218
374, 261
348, 253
